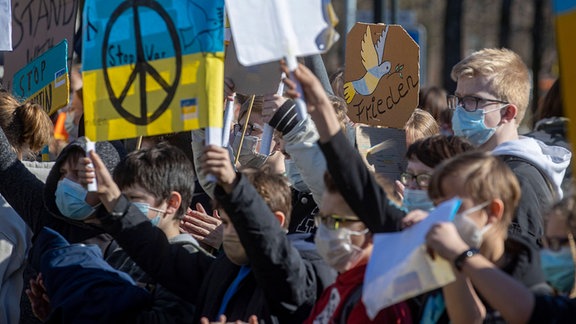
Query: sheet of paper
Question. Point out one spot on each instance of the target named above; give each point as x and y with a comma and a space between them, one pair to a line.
268, 30
400, 267
5, 26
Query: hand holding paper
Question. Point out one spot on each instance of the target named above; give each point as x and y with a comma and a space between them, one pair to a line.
443, 239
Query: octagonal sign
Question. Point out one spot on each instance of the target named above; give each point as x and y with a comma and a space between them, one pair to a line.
382, 75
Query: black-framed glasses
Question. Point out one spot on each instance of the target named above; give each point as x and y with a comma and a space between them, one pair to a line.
334, 221
249, 129
470, 103
422, 179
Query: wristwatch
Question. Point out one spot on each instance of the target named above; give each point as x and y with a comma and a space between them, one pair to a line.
459, 261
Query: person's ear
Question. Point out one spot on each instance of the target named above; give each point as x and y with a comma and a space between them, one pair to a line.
509, 113
174, 202
495, 211
280, 217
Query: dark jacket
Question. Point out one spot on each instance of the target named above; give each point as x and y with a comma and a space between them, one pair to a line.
359, 187
280, 287
76, 275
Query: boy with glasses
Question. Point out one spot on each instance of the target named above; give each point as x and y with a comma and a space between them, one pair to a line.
491, 98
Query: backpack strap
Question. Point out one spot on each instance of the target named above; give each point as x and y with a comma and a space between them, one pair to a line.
510, 159
350, 303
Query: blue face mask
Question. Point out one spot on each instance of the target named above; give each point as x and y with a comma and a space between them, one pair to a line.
145, 207
416, 199
471, 126
558, 267
71, 200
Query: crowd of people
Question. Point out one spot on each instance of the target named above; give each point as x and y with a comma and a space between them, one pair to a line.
182, 232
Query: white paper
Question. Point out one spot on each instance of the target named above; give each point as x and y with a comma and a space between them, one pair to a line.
268, 30
5, 26
400, 267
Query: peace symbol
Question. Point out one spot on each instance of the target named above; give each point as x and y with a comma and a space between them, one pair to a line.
142, 67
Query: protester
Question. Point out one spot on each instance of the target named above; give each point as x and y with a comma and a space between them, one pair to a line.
346, 245
421, 124
551, 125
491, 98
489, 193
557, 255
27, 128
496, 286
423, 156
272, 280
157, 181
433, 100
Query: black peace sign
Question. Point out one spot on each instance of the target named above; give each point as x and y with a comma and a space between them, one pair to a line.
142, 67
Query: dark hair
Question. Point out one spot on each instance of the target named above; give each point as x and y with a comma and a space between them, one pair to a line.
433, 100
551, 104
435, 149
159, 170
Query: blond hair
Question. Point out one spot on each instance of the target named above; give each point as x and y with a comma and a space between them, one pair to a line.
420, 125
507, 75
26, 125
485, 177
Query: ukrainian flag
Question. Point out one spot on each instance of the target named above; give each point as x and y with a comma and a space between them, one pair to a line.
152, 67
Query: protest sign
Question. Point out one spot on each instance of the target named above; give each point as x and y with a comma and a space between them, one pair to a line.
396, 274
5, 26
383, 150
38, 25
565, 26
45, 80
258, 79
154, 68
381, 78
269, 30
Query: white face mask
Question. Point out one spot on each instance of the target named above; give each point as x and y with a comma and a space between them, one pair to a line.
336, 248
249, 155
467, 228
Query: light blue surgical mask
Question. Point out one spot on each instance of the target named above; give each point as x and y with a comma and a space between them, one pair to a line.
471, 125
416, 199
145, 207
71, 200
558, 267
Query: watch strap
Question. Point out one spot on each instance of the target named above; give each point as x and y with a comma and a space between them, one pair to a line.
459, 261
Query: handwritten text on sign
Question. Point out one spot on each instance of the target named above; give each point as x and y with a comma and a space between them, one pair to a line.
38, 25
382, 75
45, 79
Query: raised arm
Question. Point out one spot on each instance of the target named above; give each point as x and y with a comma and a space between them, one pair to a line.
357, 184
287, 280
171, 265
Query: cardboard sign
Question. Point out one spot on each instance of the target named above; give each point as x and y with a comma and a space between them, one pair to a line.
5, 26
154, 67
45, 80
383, 150
259, 79
382, 77
269, 30
38, 25
565, 26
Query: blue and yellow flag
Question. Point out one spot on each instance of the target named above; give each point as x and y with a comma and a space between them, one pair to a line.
152, 67
565, 25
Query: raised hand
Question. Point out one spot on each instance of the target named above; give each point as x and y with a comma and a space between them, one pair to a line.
216, 161
204, 228
443, 239
108, 191
38, 298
